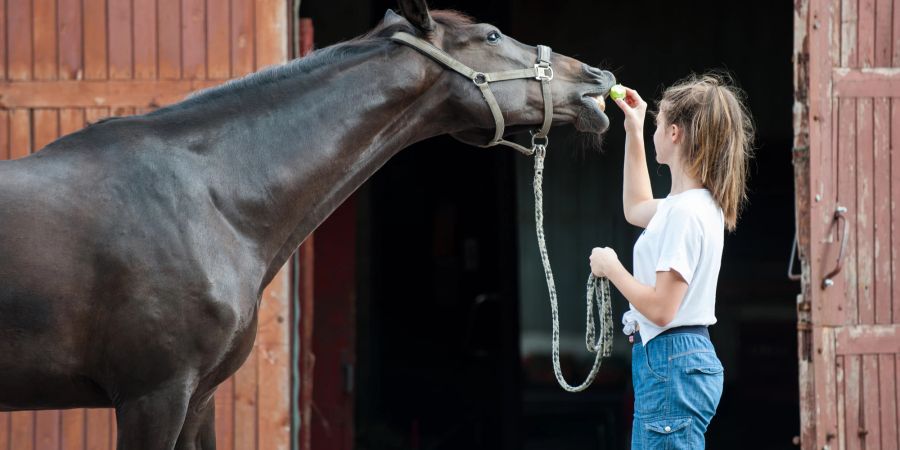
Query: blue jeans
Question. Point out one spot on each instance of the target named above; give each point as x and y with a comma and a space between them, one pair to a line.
677, 386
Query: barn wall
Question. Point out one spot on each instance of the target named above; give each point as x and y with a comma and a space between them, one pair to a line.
854, 134
863, 163
67, 63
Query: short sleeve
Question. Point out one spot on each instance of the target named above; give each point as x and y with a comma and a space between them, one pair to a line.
681, 238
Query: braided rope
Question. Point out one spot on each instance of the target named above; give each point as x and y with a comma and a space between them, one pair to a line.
597, 292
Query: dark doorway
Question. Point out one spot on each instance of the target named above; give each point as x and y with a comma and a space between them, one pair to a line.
441, 307
447, 293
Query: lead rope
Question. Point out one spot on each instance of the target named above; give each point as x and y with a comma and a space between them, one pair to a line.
597, 288
597, 292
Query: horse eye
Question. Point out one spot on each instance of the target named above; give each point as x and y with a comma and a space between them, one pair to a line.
493, 37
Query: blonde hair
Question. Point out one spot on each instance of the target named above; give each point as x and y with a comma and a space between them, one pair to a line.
717, 137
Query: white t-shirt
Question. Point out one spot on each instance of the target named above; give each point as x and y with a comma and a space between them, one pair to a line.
686, 235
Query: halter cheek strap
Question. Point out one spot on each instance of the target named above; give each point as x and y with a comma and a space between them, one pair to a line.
542, 71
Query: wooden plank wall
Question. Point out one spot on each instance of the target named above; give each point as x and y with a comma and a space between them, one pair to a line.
866, 167
79, 48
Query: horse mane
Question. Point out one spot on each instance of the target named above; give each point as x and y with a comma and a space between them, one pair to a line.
452, 19
448, 18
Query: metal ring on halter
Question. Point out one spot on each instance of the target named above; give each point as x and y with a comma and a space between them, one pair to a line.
535, 144
543, 72
479, 79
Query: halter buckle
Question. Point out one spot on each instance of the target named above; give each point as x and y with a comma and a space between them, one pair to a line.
479, 78
535, 143
543, 72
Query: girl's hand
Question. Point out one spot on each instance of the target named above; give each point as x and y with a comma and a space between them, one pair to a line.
603, 261
635, 108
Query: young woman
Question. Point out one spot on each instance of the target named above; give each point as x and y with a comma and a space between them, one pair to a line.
703, 133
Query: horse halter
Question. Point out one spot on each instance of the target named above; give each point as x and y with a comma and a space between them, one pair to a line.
597, 288
542, 71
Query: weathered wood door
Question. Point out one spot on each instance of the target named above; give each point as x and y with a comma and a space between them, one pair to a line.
847, 163
65, 63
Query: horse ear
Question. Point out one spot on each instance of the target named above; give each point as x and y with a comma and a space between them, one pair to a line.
416, 12
391, 18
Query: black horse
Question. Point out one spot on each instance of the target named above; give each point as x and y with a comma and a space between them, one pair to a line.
133, 253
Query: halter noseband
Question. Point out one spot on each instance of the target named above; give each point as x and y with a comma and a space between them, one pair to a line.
542, 71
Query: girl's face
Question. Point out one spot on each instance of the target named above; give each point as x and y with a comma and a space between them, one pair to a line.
664, 140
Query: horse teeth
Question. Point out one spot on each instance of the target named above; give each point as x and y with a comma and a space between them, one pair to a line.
600, 103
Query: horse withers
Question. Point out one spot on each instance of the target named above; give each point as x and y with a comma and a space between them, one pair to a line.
133, 253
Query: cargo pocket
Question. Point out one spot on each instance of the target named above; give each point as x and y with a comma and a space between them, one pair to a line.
668, 434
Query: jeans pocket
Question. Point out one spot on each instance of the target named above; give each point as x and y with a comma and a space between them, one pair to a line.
660, 372
650, 395
701, 386
650, 389
708, 370
698, 362
668, 434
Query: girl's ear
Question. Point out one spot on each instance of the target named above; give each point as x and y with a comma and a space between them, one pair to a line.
675, 133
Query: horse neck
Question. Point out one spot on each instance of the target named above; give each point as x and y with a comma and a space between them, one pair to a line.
288, 153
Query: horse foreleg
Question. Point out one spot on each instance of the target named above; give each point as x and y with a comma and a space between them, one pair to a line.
199, 431
152, 421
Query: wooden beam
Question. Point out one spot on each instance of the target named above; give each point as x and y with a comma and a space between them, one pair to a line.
273, 338
274, 367
867, 339
120, 40
169, 34
826, 413
307, 358
880, 82
85, 93
94, 41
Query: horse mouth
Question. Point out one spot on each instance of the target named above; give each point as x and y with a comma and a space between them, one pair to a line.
598, 98
592, 117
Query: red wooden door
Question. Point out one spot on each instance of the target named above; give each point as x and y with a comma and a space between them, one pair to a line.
64, 63
847, 160
334, 339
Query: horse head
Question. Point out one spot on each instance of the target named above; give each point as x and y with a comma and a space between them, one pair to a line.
577, 89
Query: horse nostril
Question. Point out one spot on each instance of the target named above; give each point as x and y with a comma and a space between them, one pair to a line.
610, 78
604, 77
592, 71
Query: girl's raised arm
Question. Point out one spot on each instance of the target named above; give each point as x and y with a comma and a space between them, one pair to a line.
637, 196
